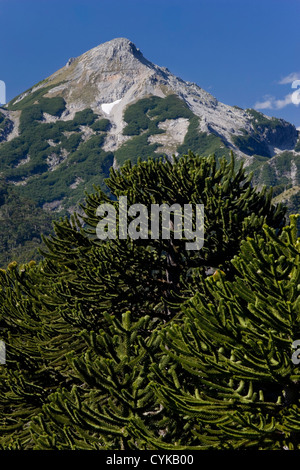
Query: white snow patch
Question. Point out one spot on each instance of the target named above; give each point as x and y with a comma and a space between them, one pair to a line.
107, 107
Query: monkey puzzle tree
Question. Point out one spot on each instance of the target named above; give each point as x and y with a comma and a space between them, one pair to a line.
66, 323
236, 378
95, 275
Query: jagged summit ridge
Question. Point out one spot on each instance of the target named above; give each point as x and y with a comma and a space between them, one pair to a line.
119, 54
121, 48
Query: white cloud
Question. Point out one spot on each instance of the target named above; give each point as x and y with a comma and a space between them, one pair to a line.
279, 104
272, 103
267, 104
290, 78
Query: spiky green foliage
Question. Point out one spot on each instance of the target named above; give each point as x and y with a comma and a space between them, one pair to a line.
233, 351
94, 276
114, 370
78, 364
25, 378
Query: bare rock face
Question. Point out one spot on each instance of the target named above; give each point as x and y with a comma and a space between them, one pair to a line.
115, 74
70, 61
110, 73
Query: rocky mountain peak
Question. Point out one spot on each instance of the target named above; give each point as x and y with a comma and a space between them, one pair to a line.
119, 47
117, 54
104, 75
114, 75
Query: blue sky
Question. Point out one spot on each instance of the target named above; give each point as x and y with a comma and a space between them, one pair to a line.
244, 52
